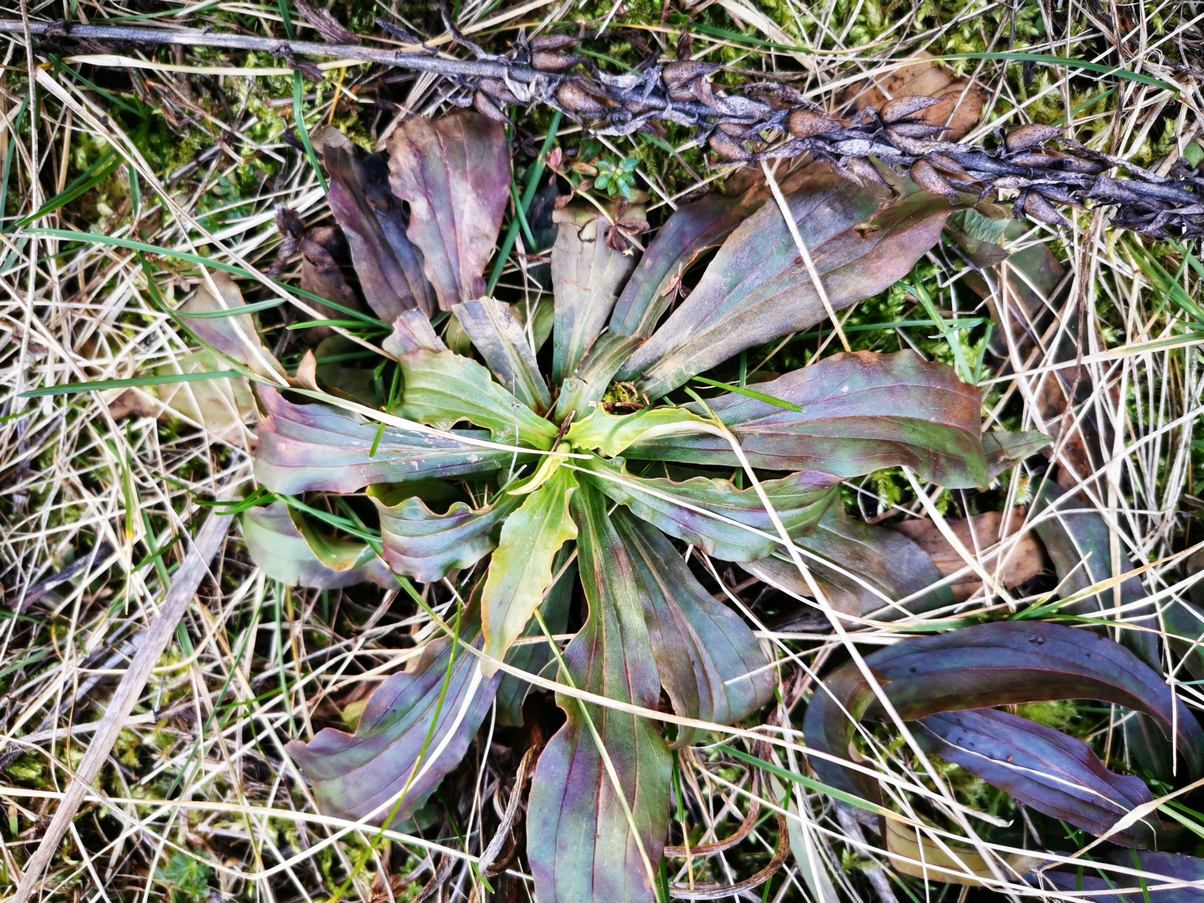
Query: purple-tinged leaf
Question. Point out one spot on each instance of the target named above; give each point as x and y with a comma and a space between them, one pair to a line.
688, 233
412, 331
710, 663
321, 275
860, 412
863, 570
1041, 768
320, 447
454, 172
587, 274
587, 848
520, 571
300, 556
425, 546
415, 728
503, 343
1079, 543
725, 522
390, 268
758, 289
443, 389
986, 665
1163, 878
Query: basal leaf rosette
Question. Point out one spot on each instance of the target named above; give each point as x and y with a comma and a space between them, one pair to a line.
536, 467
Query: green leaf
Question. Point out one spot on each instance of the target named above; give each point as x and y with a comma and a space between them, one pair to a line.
158, 379
724, 521
596, 841
1004, 450
534, 657
443, 388
757, 288
320, 447
861, 412
586, 277
503, 343
520, 571
750, 393
418, 543
612, 434
1089, 66
710, 662
454, 173
287, 548
582, 392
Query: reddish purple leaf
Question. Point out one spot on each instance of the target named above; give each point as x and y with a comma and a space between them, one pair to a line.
321, 447
688, 233
454, 172
710, 662
1164, 878
861, 412
418, 543
1079, 543
388, 264
322, 275
585, 847
992, 664
415, 728
853, 554
1041, 768
758, 289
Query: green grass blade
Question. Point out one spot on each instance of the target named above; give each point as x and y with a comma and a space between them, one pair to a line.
131, 382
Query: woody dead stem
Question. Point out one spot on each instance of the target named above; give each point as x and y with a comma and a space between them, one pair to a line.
765, 121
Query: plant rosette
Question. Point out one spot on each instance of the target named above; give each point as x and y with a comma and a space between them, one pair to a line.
556, 461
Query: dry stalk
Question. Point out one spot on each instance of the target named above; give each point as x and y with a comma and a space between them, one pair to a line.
766, 120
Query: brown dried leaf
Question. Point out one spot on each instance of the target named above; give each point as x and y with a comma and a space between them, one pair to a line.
1025, 560
960, 101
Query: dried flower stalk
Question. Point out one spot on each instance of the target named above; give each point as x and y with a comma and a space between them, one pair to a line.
766, 120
